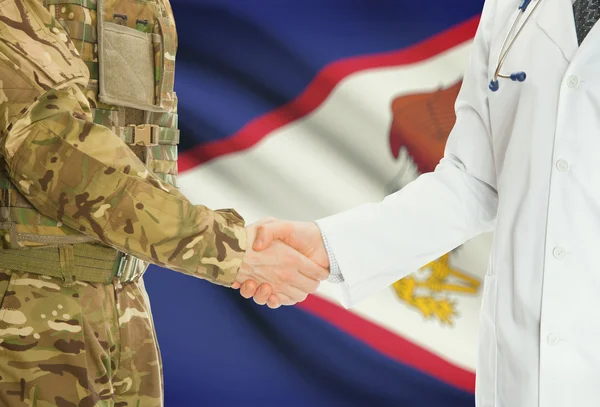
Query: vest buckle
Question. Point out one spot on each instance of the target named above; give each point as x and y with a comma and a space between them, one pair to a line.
145, 134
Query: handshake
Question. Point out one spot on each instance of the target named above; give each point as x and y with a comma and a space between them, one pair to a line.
284, 262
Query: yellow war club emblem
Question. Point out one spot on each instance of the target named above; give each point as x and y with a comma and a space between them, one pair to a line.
428, 290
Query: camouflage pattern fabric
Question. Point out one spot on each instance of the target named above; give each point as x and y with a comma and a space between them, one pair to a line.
87, 345
68, 176
80, 173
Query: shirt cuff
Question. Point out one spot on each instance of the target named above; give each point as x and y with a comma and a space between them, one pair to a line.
335, 273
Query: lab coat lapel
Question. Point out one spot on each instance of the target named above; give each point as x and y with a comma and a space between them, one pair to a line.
555, 18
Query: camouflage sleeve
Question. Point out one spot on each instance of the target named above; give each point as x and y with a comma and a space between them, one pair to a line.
81, 173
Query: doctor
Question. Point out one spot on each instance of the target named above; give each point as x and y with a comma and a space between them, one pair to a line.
523, 159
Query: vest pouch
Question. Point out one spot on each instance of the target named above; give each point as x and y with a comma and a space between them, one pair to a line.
126, 58
126, 63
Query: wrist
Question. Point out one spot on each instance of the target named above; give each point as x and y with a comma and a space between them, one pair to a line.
244, 271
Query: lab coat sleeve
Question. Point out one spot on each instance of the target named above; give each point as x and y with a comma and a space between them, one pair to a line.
378, 243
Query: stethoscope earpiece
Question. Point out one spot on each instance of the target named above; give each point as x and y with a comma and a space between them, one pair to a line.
518, 76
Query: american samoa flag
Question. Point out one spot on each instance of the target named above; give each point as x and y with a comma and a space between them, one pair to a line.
299, 109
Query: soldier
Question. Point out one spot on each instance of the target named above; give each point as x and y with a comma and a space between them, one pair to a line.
88, 130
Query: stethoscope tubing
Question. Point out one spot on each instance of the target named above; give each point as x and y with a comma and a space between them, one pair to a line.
507, 45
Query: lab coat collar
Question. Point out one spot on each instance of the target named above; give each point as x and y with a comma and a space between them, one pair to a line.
555, 18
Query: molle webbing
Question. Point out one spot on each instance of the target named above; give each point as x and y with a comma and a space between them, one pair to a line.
81, 31
153, 136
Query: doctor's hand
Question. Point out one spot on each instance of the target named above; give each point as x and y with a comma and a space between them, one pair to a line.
305, 237
285, 274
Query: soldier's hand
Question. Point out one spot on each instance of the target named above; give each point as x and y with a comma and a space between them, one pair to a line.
287, 276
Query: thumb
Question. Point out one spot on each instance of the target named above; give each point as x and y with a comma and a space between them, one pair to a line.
264, 237
267, 232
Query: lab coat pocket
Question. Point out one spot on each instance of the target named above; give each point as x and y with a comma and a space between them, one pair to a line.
485, 386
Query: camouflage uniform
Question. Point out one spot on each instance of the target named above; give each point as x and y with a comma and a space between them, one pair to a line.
88, 173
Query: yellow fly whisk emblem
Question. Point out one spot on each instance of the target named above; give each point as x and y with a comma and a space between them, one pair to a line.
430, 289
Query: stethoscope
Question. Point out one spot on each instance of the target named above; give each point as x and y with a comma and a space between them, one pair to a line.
506, 45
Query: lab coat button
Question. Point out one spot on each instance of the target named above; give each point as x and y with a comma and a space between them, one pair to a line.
562, 165
559, 253
572, 81
553, 339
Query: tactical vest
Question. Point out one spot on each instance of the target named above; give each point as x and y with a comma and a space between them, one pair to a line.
129, 47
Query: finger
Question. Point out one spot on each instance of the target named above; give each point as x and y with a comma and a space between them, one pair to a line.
310, 269
273, 302
236, 285
248, 289
289, 274
267, 232
313, 271
302, 283
262, 294
259, 301
284, 299
294, 294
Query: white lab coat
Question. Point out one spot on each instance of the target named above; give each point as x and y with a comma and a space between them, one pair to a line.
525, 162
